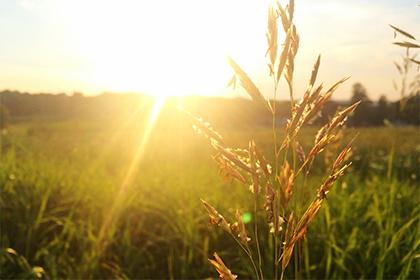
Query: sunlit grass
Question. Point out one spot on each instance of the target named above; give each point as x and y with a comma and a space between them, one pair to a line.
162, 229
107, 227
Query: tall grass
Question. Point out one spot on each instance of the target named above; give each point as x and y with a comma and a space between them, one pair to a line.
163, 232
58, 179
409, 83
273, 184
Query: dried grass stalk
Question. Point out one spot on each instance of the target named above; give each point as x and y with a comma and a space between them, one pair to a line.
216, 218
224, 272
239, 228
250, 165
247, 83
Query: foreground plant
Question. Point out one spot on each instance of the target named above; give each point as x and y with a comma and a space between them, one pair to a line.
407, 87
272, 184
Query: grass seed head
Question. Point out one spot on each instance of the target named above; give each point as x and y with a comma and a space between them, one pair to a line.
227, 171
269, 204
203, 127
255, 178
283, 16
240, 229
216, 218
286, 179
234, 158
247, 83
224, 272
272, 36
284, 55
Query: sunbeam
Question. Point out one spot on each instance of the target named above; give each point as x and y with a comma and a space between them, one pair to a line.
107, 228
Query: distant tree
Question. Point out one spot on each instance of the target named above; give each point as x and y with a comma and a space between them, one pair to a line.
77, 94
363, 114
410, 112
359, 93
382, 101
382, 110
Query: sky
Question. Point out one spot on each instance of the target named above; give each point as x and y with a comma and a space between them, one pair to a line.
180, 47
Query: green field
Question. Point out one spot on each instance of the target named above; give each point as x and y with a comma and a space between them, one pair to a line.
59, 181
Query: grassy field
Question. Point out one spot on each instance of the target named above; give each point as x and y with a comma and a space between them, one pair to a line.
59, 181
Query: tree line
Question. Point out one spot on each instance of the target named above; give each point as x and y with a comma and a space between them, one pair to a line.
15, 106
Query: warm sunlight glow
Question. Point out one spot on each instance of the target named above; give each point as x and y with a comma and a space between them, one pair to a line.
164, 47
204, 139
132, 171
142, 144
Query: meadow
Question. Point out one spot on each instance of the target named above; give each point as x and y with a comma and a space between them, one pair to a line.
133, 186
59, 180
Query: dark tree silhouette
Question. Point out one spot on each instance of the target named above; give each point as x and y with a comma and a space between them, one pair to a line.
410, 112
18, 106
363, 114
382, 110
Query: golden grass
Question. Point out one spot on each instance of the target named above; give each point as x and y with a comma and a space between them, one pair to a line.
250, 168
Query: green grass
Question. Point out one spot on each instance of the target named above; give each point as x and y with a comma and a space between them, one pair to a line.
58, 181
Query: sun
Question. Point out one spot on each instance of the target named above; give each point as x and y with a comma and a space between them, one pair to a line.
164, 48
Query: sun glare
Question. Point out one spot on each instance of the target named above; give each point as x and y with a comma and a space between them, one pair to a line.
130, 175
164, 47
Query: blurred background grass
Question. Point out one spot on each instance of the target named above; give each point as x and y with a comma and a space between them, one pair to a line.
59, 179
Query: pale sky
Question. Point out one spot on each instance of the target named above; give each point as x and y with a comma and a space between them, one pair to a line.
180, 47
